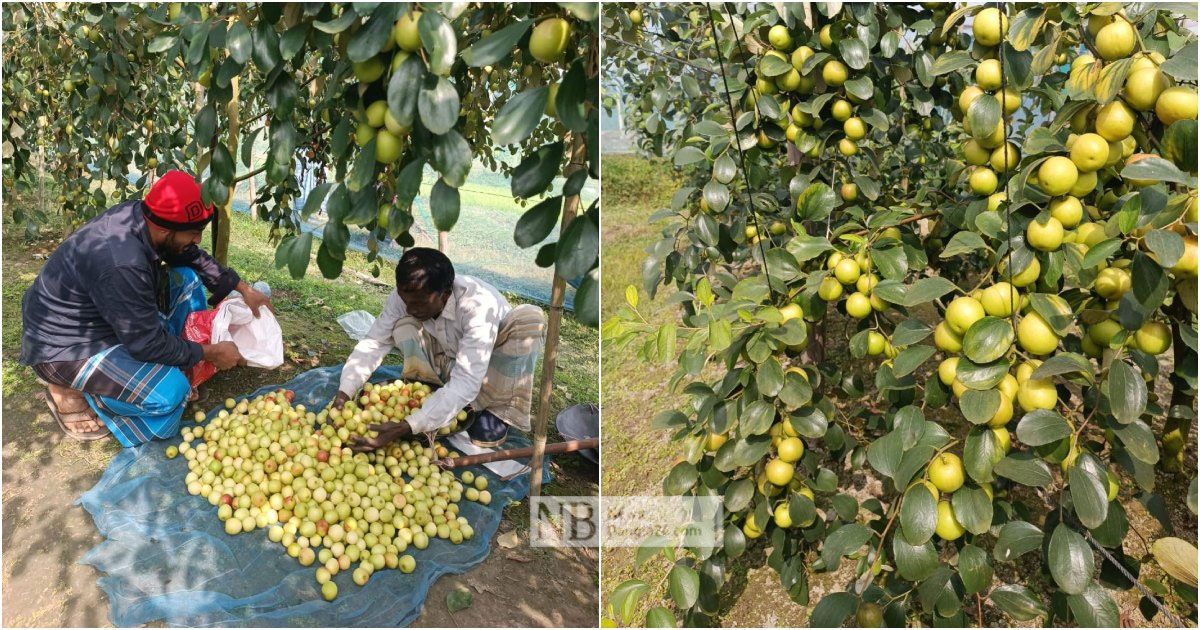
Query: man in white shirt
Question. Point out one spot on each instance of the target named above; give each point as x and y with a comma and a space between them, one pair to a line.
456, 332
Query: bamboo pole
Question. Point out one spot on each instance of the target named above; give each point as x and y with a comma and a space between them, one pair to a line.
225, 223
444, 242
517, 453
550, 360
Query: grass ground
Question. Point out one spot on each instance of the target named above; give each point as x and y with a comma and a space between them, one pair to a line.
637, 458
45, 534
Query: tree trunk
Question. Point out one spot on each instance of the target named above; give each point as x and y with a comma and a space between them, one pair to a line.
225, 212
1181, 411
550, 359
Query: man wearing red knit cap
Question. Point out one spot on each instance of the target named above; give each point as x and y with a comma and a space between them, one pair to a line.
103, 318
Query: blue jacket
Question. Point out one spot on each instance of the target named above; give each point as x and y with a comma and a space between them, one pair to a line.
101, 288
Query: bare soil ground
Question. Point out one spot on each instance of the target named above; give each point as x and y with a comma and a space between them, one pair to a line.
45, 533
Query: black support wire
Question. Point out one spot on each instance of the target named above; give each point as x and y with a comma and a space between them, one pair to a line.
1012, 317
737, 142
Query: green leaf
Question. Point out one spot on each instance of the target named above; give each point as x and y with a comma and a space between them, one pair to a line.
1070, 560
578, 248
163, 43
769, 377
814, 204
927, 290
313, 202
918, 515
1016, 539
518, 117
1064, 363
659, 617
1182, 66
408, 183
537, 171
981, 377
239, 42
1127, 393
438, 104
684, 585
1138, 439
338, 24
680, 480
266, 47
950, 61
1157, 169
222, 163
979, 406
884, 453
294, 251
981, 453
973, 509
452, 157
911, 358
854, 53
910, 331
328, 262
1042, 426
1089, 490
1094, 607
975, 569
374, 34
492, 48
537, 222
832, 610
624, 598
983, 115
964, 243
570, 104
914, 562
444, 205
1166, 245
757, 418
1022, 469
459, 599
404, 88
439, 41
844, 541
1017, 602
988, 339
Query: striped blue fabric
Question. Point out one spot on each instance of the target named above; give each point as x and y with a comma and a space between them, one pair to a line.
153, 396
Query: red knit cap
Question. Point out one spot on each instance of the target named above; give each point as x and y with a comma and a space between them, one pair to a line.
174, 203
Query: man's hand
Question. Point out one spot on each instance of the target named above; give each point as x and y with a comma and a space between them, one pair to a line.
224, 355
254, 298
339, 401
388, 432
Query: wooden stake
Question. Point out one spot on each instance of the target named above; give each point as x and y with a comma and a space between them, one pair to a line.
225, 212
517, 453
444, 242
550, 359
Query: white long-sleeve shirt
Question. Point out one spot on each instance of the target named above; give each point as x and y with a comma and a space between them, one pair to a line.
466, 329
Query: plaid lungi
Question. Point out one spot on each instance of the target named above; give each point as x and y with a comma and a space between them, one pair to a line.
137, 401
507, 389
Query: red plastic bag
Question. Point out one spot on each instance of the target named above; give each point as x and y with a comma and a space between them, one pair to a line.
198, 328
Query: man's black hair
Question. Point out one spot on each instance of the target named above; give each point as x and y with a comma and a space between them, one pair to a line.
424, 269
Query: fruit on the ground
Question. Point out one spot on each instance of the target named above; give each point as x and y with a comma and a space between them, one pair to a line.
948, 527
270, 464
962, 312
946, 472
548, 41
1035, 335
329, 591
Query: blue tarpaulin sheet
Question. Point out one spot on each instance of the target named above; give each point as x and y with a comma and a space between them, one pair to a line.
166, 557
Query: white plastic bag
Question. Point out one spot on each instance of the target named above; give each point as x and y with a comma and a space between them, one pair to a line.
356, 323
259, 339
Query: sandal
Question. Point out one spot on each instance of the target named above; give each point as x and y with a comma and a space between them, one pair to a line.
73, 415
